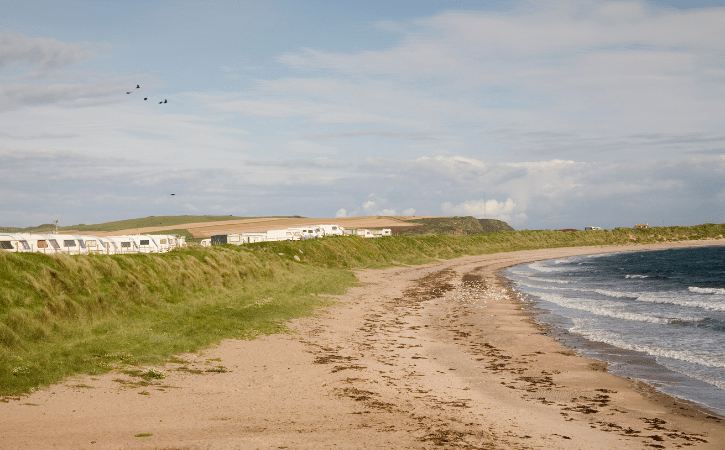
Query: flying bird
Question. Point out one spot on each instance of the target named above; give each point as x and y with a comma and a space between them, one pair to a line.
128, 92
137, 86
165, 101
173, 194
145, 98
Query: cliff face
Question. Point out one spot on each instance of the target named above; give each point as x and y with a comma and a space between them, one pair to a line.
451, 225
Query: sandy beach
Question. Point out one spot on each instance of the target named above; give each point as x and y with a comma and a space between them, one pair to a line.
435, 356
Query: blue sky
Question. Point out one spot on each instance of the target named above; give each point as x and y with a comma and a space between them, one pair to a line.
545, 114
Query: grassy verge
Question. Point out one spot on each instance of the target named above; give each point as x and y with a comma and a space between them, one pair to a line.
62, 315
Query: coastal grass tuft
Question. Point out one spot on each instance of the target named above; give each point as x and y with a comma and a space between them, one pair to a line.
66, 315
62, 316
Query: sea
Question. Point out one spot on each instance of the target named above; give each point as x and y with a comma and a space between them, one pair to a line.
657, 316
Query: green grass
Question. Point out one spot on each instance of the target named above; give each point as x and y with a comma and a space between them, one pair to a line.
451, 225
62, 315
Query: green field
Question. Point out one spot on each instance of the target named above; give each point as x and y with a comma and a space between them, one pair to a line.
62, 315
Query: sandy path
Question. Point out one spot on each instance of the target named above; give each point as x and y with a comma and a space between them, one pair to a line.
436, 356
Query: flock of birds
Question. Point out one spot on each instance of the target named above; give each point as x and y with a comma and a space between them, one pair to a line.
145, 98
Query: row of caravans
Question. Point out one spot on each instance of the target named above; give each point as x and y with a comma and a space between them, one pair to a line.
74, 244
292, 234
288, 234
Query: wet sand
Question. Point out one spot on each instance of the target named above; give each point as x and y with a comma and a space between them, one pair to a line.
434, 356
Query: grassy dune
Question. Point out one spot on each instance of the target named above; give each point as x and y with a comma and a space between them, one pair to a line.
62, 315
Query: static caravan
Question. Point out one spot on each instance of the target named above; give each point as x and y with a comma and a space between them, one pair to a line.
13, 242
110, 246
331, 230
67, 244
282, 235
308, 232
364, 232
124, 244
221, 239
176, 241
205, 242
592, 228
39, 243
146, 243
251, 238
91, 245
383, 232
163, 242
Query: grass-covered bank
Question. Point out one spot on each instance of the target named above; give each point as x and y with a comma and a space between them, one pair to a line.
63, 315
87, 314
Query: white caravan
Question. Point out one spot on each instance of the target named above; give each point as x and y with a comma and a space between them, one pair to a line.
35, 243
67, 244
308, 232
124, 244
364, 232
251, 238
14, 242
92, 245
283, 235
331, 230
383, 232
146, 243
164, 242
206, 242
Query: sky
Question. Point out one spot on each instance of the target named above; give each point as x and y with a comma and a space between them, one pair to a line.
543, 114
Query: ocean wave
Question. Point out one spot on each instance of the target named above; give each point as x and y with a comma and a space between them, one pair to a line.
615, 294
679, 301
540, 267
551, 280
612, 310
699, 290
636, 276
681, 355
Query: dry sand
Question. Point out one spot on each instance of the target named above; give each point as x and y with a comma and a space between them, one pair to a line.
435, 356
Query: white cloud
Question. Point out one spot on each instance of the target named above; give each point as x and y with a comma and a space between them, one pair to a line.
342, 212
19, 50
508, 210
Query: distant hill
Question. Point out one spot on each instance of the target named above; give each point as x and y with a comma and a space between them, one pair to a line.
45, 228
183, 225
451, 225
152, 221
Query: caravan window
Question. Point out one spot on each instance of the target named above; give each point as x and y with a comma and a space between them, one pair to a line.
125, 245
6, 245
42, 244
144, 242
334, 228
163, 241
26, 246
69, 243
81, 243
91, 243
54, 243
